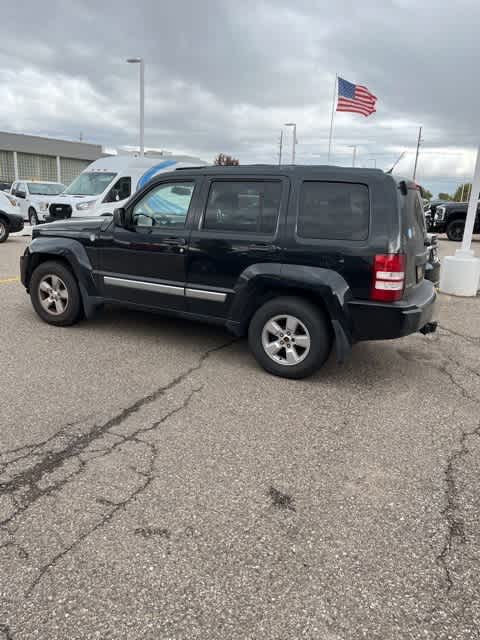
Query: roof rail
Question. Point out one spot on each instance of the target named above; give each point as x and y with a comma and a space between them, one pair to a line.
203, 166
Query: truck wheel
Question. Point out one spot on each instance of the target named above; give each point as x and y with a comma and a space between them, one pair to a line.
32, 217
4, 230
55, 294
455, 230
290, 337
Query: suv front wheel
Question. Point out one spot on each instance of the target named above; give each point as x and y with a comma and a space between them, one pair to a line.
290, 337
55, 294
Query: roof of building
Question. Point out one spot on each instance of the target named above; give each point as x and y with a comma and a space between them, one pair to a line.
49, 146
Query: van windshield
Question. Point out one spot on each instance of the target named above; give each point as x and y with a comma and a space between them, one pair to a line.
45, 188
90, 183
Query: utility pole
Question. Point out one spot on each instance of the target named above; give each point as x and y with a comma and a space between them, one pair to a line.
419, 141
281, 145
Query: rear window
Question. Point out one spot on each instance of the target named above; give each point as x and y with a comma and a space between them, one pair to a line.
333, 211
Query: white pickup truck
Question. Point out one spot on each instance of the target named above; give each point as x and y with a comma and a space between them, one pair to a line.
34, 198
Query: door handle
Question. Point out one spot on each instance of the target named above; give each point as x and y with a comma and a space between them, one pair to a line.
262, 246
177, 242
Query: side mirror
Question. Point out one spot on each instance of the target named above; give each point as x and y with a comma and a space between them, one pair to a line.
120, 217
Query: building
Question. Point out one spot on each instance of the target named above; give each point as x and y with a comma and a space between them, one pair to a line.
24, 157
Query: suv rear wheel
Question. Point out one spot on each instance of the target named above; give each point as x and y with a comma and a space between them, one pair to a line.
455, 230
290, 337
55, 294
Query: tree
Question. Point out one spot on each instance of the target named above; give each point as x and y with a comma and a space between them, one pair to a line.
226, 161
425, 193
444, 196
463, 190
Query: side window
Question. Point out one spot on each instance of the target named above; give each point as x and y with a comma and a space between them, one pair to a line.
121, 190
166, 205
419, 216
21, 188
250, 207
333, 211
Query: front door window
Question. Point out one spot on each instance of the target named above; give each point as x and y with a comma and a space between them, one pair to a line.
165, 206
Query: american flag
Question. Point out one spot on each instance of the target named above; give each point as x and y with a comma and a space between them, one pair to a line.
355, 98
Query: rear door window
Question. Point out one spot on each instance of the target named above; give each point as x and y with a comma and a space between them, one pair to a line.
243, 206
333, 211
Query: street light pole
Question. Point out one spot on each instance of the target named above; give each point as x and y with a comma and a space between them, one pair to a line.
141, 62
294, 125
354, 155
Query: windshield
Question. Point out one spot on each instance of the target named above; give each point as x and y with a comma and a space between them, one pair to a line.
91, 183
45, 189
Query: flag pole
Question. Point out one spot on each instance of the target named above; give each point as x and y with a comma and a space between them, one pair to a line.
332, 118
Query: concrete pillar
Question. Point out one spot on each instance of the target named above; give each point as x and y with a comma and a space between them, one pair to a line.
15, 165
59, 170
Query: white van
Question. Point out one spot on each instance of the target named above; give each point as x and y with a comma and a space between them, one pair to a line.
107, 183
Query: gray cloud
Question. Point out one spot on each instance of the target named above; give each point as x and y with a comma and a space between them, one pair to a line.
224, 76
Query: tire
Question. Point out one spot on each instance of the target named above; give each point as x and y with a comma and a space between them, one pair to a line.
455, 229
33, 217
4, 230
311, 327
55, 278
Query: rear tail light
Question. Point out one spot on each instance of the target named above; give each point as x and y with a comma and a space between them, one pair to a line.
388, 277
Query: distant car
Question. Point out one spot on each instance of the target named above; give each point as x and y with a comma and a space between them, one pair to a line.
450, 218
432, 268
34, 198
429, 210
5, 186
10, 218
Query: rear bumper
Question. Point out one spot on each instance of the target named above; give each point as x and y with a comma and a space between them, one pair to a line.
383, 321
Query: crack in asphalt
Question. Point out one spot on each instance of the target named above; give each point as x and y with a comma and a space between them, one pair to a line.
29, 479
117, 506
455, 524
450, 512
5, 631
472, 339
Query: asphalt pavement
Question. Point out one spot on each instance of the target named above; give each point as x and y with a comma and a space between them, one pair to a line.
155, 483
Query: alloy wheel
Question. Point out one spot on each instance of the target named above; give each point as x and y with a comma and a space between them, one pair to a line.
53, 294
286, 340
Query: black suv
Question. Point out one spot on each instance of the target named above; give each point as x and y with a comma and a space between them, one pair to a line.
299, 258
450, 217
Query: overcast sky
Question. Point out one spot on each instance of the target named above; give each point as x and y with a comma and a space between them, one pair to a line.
224, 75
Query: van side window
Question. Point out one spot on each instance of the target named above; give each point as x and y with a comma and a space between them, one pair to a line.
121, 190
333, 211
246, 207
